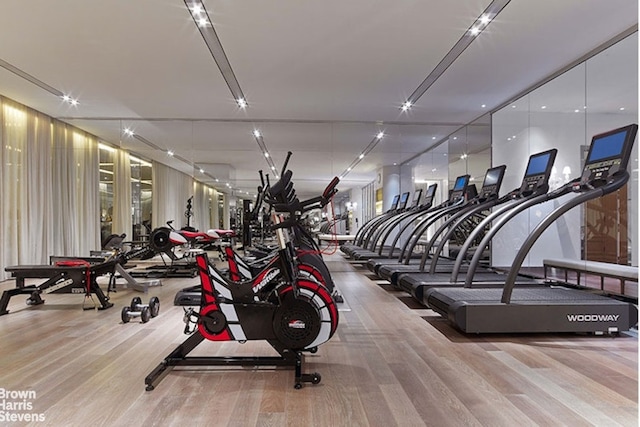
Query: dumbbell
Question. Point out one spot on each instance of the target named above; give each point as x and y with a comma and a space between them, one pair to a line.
154, 305
144, 314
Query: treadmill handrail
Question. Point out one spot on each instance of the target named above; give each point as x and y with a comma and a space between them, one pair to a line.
484, 243
613, 185
422, 227
451, 228
408, 215
474, 234
383, 229
419, 212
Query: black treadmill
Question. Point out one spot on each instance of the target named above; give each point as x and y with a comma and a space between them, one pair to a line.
369, 226
467, 215
458, 196
378, 247
532, 191
371, 243
424, 219
545, 308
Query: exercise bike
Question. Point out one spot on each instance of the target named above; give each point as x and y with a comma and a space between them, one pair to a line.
292, 314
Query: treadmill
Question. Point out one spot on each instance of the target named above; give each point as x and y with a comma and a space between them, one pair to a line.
369, 226
371, 242
408, 217
532, 191
471, 212
550, 309
424, 219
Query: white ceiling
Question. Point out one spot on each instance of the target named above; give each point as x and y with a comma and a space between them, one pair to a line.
322, 78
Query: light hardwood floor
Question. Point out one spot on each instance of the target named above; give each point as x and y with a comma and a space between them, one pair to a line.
389, 364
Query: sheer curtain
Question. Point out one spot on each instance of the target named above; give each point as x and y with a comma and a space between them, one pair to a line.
201, 207
64, 196
75, 193
14, 125
36, 201
87, 159
171, 189
122, 205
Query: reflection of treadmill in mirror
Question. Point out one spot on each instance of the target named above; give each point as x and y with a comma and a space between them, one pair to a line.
378, 249
532, 190
369, 226
550, 309
461, 221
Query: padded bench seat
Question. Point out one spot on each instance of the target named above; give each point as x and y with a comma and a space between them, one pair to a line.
336, 237
623, 273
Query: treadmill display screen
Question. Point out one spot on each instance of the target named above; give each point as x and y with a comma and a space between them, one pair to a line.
416, 197
394, 204
492, 177
403, 200
607, 147
460, 184
538, 164
431, 191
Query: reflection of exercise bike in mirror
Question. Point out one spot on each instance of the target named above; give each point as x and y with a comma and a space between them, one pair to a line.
181, 246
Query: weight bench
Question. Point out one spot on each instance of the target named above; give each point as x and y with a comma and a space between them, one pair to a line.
623, 273
59, 279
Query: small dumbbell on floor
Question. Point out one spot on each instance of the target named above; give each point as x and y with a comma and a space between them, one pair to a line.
143, 311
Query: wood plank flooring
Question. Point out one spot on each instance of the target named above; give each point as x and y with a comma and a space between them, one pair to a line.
389, 364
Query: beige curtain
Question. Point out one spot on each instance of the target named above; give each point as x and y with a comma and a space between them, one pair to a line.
171, 189
36, 201
14, 135
122, 215
201, 207
87, 158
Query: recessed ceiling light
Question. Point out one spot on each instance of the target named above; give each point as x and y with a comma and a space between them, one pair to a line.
201, 170
621, 108
266, 154
256, 133
485, 19
395, 164
513, 106
242, 103
433, 137
455, 137
434, 169
361, 156
217, 180
273, 168
576, 110
349, 169
544, 107
508, 139
197, 9
380, 135
474, 31
170, 153
484, 105
406, 106
128, 132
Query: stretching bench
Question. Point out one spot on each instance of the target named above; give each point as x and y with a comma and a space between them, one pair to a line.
623, 273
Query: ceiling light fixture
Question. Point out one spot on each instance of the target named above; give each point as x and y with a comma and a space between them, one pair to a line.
205, 26
170, 153
263, 147
479, 25
364, 152
128, 132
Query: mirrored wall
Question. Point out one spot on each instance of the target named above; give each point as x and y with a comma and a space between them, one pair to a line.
595, 96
